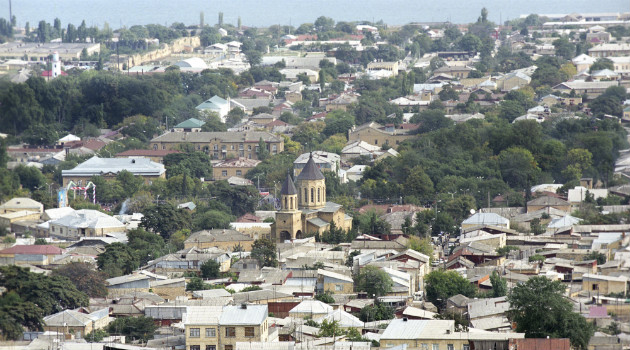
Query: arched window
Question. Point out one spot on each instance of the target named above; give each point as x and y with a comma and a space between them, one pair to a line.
319, 198
312, 195
291, 202
305, 195
285, 203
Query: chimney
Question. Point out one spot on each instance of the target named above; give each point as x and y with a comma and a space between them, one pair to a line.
405, 319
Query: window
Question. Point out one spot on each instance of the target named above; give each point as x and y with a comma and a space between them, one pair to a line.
163, 147
211, 332
195, 347
249, 332
230, 332
424, 346
194, 332
312, 195
318, 196
228, 347
211, 347
155, 147
436, 346
240, 147
376, 142
338, 288
595, 286
305, 199
239, 172
450, 347
466, 347
249, 147
223, 172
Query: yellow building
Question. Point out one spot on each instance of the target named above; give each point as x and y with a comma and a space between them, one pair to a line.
224, 239
233, 167
210, 328
441, 335
386, 66
602, 284
378, 135
304, 209
221, 145
329, 281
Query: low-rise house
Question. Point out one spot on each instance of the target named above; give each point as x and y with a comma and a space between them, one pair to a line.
128, 284
342, 102
189, 125
390, 67
343, 319
484, 219
225, 169
20, 204
610, 50
109, 168
217, 105
329, 281
489, 314
9, 218
310, 308
459, 72
77, 322
189, 260
225, 239
545, 202
591, 88
440, 334
378, 135
29, 255
511, 81
601, 284
85, 223
325, 161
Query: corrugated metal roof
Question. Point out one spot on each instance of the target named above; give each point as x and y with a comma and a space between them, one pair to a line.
243, 315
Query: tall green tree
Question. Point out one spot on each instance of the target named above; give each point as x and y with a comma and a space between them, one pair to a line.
373, 281
136, 328
499, 285
118, 259
540, 309
165, 219
441, 285
264, 250
83, 275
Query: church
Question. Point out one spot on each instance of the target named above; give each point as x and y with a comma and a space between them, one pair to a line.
304, 209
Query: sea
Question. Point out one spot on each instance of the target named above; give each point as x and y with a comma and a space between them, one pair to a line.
263, 13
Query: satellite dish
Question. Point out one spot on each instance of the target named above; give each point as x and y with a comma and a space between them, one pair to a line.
472, 211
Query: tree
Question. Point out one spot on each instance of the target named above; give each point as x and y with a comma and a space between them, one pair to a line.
600, 257
419, 184
518, 167
134, 328
601, 64
376, 312
165, 219
96, 336
539, 309
210, 269
421, 245
334, 234
325, 297
330, 329
441, 285
373, 281
264, 250
118, 259
499, 285
16, 314
262, 151
84, 277
196, 283
254, 57
212, 219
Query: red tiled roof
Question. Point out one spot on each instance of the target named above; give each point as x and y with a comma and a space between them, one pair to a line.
94, 145
249, 218
146, 153
33, 250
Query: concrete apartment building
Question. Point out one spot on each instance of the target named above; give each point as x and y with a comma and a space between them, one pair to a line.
221, 145
214, 328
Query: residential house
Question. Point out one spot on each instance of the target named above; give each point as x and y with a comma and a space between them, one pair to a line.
489, 314
458, 72
8, 219
155, 155
77, 323
189, 260
221, 144
378, 135
334, 282
18, 204
189, 125
109, 168
360, 148
602, 284
342, 102
133, 283
609, 50
583, 62
217, 105
591, 88
483, 219
29, 254
310, 308
232, 167
85, 223
225, 239
390, 67
545, 202
292, 74
440, 334
514, 80
240, 323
